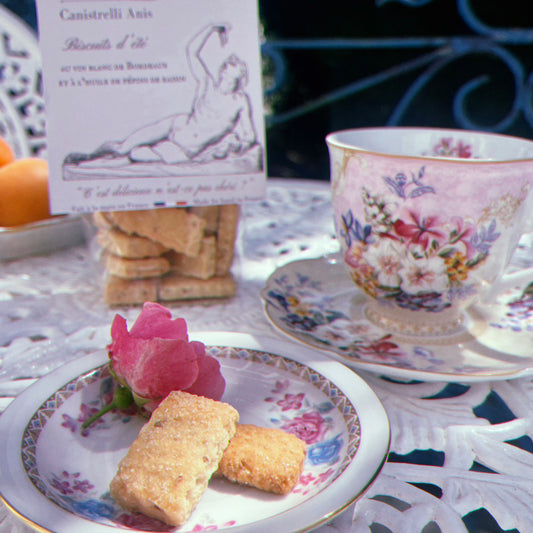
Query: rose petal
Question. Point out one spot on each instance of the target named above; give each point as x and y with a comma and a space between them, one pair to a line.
210, 382
156, 321
163, 365
123, 358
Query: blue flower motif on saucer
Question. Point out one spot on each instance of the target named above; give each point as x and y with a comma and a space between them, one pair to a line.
325, 452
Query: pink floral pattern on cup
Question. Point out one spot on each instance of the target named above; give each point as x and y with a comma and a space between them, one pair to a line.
448, 147
418, 261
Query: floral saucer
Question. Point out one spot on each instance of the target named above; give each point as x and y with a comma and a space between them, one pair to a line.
315, 302
55, 475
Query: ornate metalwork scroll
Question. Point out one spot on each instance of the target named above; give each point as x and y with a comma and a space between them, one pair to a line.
476, 73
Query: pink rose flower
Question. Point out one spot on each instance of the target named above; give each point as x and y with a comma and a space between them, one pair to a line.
310, 427
155, 357
291, 401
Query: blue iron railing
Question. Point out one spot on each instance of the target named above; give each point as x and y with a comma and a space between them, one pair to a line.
488, 40
505, 51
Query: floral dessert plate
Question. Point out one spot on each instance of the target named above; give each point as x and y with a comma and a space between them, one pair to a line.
315, 302
55, 475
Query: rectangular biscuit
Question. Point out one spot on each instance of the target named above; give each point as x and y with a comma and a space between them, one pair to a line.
202, 266
226, 233
122, 244
168, 466
119, 291
170, 287
175, 287
102, 220
266, 458
175, 228
210, 214
148, 267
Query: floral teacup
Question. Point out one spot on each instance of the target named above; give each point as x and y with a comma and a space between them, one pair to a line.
428, 218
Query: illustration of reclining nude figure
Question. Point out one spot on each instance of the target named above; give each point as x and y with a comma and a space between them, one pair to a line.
217, 135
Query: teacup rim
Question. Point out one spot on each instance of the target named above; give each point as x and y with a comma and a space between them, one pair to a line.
332, 140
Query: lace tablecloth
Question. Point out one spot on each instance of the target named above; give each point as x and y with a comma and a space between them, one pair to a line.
461, 454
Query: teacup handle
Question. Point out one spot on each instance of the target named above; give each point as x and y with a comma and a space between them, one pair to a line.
508, 281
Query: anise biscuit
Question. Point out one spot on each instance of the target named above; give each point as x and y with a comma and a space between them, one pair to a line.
226, 233
266, 458
202, 266
210, 214
102, 220
168, 466
120, 243
148, 267
176, 287
175, 228
119, 291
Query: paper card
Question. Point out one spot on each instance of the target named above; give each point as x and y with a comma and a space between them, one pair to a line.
152, 103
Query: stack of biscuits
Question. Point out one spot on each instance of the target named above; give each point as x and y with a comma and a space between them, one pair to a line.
168, 254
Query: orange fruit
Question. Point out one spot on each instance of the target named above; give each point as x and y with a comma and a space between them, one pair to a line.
24, 191
6, 153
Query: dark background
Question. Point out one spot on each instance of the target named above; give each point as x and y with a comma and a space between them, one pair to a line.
296, 147
380, 71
